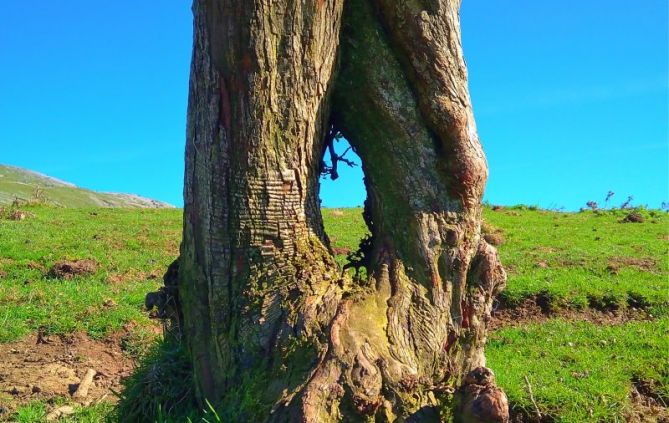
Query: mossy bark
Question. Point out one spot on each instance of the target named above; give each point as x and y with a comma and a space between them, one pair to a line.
275, 332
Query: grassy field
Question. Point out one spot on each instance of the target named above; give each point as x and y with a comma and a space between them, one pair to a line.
131, 249
576, 265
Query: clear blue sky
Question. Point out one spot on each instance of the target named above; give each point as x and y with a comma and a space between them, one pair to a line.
570, 97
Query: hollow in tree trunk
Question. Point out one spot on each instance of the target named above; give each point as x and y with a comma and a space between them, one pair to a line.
275, 331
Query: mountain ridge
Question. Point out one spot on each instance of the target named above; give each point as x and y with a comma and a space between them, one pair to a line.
22, 184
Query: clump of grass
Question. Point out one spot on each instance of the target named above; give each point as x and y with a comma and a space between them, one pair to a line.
161, 389
13, 212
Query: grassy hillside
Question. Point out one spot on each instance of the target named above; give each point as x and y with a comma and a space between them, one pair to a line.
26, 186
584, 322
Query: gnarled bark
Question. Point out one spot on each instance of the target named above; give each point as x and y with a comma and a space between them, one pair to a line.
275, 332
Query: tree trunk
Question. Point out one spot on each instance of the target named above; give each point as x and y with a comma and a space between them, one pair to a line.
275, 331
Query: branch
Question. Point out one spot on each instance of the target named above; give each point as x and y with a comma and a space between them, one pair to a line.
332, 136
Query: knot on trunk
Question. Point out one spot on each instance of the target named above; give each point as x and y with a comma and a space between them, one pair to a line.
487, 269
480, 400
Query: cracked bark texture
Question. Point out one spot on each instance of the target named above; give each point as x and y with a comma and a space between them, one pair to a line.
274, 330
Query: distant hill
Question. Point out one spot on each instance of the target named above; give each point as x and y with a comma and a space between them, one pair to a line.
26, 185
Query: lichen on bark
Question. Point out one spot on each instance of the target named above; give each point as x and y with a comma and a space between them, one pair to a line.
275, 331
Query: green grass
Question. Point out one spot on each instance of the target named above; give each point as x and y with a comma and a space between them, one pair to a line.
578, 371
577, 249
345, 228
131, 247
36, 412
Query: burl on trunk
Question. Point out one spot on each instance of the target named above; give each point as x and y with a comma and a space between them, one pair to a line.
275, 330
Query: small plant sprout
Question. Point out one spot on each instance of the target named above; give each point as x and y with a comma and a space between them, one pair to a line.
628, 203
609, 195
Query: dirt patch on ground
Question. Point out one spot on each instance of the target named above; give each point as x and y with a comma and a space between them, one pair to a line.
491, 234
134, 275
646, 264
633, 218
42, 368
341, 250
538, 310
66, 269
494, 239
647, 405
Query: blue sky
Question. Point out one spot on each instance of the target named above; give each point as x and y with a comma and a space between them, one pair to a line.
570, 97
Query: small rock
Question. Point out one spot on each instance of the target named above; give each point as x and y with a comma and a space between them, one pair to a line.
542, 264
36, 389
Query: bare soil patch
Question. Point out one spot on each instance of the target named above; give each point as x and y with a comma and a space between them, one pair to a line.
341, 250
633, 217
495, 239
646, 264
66, 269
647, 404
537, 310
491, 234
134, 275
42, 368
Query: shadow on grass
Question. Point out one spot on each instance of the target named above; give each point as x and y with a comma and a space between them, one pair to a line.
161, 389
